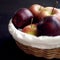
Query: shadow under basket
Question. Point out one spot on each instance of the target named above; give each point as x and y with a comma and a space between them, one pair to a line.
46, 53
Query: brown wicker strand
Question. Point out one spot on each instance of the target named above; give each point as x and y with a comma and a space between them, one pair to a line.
46, 53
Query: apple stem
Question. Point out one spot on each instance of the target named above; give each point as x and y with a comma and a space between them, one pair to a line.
55, 5
31, 22
40, 8
52, 10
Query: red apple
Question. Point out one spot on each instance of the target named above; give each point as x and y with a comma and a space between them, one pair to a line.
50, 26
35, 9
22, 17
30, 29
49, 11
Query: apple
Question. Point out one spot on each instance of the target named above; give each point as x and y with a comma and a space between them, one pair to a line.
50, 26
49, 11
22, 17
30, 29
35, 9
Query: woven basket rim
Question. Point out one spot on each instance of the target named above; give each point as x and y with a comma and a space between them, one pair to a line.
32, 40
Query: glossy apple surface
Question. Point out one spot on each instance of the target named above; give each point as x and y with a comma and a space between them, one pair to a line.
22, 17
49, 11
30, 29
35, 9
50, 26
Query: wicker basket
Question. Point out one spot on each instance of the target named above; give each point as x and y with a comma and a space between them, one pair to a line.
21, 42
46, 53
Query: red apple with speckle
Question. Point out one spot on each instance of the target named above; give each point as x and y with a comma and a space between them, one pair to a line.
35, 9
49, 11
30, 29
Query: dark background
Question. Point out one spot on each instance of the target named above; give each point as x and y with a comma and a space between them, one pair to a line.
8, 48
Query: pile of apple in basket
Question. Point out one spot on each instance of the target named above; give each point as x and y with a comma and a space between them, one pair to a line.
38, 20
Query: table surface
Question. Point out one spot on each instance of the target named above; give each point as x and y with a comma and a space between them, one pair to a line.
8, 48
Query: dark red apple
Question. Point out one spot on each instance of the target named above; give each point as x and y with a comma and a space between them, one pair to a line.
50, 26
22, 17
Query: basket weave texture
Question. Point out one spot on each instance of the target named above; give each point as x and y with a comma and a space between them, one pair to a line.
46, 53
